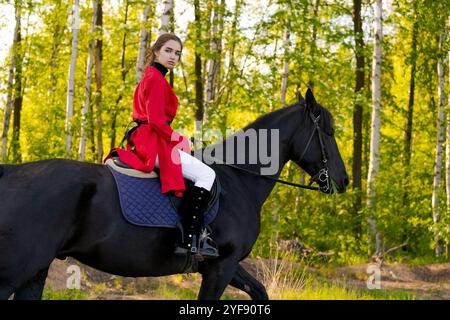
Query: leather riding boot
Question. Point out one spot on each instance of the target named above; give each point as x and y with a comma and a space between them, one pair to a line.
193, 237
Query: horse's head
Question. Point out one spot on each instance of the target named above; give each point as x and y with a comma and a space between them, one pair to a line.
313, 146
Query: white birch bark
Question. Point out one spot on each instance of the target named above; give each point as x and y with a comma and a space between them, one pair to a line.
10, 85
439, 147
87, 88
374, 162
284, 81
9, 99
143, 38
71, 81
165, 17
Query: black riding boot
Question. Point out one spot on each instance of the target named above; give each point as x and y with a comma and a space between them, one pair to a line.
193, 237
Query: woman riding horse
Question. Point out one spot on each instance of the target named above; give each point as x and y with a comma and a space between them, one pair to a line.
153, 143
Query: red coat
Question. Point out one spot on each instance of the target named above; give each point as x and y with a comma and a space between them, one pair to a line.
155, 101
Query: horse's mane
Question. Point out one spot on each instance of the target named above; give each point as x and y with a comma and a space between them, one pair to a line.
326, 119
296, 110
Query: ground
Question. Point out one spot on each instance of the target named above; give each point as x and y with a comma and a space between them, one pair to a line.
430, 281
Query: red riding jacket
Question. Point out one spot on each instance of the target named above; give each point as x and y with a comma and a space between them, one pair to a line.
155, 102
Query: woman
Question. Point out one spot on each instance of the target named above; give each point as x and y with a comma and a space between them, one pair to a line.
154, 144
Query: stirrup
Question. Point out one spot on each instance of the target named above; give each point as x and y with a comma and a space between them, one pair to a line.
206, 246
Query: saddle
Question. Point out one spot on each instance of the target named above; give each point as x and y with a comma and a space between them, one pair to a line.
115, 164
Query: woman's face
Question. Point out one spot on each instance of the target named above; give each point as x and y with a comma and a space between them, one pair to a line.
169, 54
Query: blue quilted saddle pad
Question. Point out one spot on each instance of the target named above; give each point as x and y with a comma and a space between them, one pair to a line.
143, 204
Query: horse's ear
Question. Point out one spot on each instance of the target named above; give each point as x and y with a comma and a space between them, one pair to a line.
300, 98
310, 100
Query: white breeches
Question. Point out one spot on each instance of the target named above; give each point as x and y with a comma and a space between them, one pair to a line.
195, 170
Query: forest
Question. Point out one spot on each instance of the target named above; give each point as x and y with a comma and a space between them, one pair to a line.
381, 67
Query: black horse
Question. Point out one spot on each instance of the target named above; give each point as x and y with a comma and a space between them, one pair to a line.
58, 208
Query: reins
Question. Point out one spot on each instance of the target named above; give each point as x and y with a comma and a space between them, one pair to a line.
321, 176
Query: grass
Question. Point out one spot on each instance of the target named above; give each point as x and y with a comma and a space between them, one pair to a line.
286, 279
68, 294
334, 291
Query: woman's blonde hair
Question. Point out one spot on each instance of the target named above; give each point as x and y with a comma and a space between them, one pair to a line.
162, 39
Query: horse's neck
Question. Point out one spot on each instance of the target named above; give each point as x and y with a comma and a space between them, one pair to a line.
258, 186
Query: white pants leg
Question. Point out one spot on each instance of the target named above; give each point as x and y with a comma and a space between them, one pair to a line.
195, 170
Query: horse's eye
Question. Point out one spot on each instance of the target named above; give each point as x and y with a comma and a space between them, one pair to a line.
329, 132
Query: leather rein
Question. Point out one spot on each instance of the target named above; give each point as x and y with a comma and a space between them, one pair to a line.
321, 176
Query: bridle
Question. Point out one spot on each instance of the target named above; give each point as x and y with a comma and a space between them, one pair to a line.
321, 177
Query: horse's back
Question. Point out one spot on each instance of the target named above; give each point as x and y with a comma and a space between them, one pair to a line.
38, 211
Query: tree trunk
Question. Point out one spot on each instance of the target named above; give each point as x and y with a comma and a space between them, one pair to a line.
274, 75
165, 17
87, 88
213, 63
17, 103
198, 75
438, 154
71, 83
358, 114
172, 30
231, 70
143, 38
409, 124
284, 81
124, 72
14, 56
313, 49
447, 163
57, 32
374, 163
98, 79
222, 9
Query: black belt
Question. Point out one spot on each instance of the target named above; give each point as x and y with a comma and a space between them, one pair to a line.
128, 133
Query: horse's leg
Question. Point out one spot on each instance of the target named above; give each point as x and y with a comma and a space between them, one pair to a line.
33, 288
216, 275
247, 283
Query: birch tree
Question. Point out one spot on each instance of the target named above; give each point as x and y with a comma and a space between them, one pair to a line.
213, 63
123, 73
14, 56
284, 80
374, 162
439, 147
313, 48
87, 87
165, 17
71, 80
143, 39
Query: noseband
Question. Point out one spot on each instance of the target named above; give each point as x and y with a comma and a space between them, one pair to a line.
322, 176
